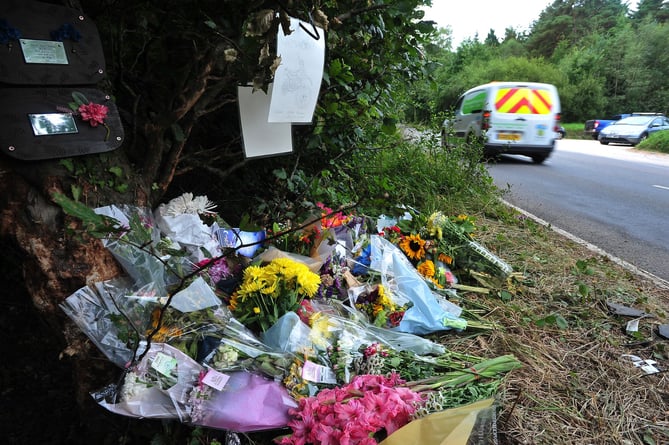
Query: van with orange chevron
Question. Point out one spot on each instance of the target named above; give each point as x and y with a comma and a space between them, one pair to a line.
519, 118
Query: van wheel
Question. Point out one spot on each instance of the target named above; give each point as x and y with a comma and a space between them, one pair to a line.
603, 142
444, 139
539, 159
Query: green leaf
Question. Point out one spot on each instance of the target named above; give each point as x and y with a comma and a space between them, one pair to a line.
76, 192
79, 99
116, 171
96, 225
68, 164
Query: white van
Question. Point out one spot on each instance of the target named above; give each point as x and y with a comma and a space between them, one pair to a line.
508, 117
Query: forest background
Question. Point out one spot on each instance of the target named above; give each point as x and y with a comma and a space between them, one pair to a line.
173, 68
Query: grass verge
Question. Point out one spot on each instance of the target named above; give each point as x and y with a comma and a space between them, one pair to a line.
575, 387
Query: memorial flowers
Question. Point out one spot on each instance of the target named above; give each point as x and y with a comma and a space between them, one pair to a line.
268, 292
93, 113
362, 412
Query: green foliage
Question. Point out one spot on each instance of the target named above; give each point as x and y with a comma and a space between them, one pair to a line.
93, 224
658, 142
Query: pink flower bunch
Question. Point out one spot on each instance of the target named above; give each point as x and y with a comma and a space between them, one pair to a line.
93, 113
354, 414
217, 271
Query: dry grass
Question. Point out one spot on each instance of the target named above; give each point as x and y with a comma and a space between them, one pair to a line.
574, 387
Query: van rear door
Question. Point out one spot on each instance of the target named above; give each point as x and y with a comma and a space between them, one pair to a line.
524, 114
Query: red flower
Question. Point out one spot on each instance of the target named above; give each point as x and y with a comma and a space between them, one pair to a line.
93, 113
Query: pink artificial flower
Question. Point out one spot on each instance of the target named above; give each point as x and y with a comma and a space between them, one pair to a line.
94, 114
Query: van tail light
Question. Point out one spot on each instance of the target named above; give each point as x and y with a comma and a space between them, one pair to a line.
485, 122
558, 116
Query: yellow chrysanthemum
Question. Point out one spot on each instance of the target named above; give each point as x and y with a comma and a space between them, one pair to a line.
413, 246
309, 282
426, 268
256, 310
383, 299
253, 273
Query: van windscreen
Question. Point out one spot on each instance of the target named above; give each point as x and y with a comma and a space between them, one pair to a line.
522, 100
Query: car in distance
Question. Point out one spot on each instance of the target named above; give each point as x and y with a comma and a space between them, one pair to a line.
561, 132
594, 126
634, 129
507, 117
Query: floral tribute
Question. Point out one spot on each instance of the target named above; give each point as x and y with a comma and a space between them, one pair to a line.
268, 292
324, 338
93, 113
361, 413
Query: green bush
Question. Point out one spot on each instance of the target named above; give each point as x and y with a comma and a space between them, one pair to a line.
658, 142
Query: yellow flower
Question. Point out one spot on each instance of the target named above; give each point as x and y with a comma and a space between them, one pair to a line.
256, 310
309, 282
446, 259
426, 268
413, 246
383, 300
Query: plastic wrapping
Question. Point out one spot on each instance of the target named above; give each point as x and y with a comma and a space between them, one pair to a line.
247, 402
157, 387
473, 424
398, 275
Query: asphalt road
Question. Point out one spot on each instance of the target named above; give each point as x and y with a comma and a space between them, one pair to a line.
613, 197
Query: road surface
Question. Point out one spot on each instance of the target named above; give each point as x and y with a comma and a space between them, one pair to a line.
614, 197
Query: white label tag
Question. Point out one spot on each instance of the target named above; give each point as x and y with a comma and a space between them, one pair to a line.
313, 372
215, 379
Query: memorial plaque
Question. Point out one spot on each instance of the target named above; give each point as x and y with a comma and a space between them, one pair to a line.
48, 123
43, 51
47, 44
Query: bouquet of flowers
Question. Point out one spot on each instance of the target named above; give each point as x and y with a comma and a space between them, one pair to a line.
268, 292
361, 413
155, 387
379, 308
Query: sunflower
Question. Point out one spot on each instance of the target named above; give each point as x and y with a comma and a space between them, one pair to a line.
426, 269
413, 246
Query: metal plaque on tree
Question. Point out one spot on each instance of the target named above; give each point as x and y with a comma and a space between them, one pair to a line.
47, 123
45, 44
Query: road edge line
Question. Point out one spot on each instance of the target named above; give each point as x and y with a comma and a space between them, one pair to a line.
628, 266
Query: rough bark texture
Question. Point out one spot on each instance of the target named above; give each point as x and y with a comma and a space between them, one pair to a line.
52, 266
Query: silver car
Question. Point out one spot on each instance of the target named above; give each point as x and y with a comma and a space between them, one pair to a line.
633, 130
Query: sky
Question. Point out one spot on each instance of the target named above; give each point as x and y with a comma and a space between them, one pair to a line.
467, 17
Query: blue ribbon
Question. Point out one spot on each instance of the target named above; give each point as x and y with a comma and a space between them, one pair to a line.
66, 32
8, 32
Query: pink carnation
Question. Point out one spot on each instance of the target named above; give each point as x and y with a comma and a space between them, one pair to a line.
93, 113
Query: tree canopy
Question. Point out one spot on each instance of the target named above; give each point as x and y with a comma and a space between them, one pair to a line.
604, 59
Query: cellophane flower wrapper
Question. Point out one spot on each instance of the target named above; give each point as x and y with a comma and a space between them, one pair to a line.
146, 392
426, 315
189, 230
92, 313
470, 254
473, 424
248, 402
193, 313
272, 253
240, 350
137, 250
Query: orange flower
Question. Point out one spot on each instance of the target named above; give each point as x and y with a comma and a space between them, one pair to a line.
445, 259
